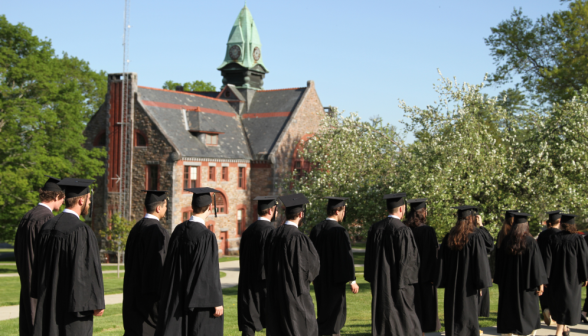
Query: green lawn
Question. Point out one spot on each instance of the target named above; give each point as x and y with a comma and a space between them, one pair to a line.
12, 268
6, 250
358, 245
358, 317
10, 288
358, 258
230, 258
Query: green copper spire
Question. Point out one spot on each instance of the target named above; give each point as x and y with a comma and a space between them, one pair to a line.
243, 52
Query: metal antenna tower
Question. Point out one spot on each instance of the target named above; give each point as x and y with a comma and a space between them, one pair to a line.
126, 136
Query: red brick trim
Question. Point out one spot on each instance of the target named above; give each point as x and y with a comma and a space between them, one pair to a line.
266, 115
206, 132
180, 92
187, 107
296, 88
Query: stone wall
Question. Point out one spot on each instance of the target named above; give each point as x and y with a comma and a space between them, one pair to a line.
157, 152
306, 120
96, 127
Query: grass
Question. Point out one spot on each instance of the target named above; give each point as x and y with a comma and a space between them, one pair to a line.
358, 317
358, 258
358, 245
223, 259
12, 268
6, 250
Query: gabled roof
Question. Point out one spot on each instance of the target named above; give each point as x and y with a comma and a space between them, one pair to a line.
166, 108
267, 116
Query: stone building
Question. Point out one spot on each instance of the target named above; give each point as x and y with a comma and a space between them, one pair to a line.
241, 140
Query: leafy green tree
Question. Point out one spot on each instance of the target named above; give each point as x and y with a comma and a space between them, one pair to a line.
194, 86
45, 101
550, 55
117, 233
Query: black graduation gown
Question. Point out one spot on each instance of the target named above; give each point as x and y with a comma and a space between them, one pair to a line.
333, 245
463, 274
425, 295
292, 263
67, 278
484, 300
144, 257
24, 251
392, 269
191, 286
567, 269
251, 293
542, 242
518, 278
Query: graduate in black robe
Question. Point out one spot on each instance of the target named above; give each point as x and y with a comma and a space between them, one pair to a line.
425, 295
484, 300
292, 263
520, 276
333, 245
392, 269
542, 241
464, 272
144, 257
567, 270
67, 276
192, 300
252, 290
51, 196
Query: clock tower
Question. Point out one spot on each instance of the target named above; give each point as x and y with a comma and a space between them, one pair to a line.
243, 65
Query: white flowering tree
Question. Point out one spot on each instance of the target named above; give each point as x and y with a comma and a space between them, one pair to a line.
468, 149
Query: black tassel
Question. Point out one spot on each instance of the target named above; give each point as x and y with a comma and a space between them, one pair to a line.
214, 196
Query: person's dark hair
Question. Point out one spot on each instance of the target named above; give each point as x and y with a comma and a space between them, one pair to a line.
514, 242
333, 211
263, 212
506, 225
72, 201
293, 214
571, 228
153, 206
459, 234
393, 210
199, 210
416, 218
556, 222
50, 196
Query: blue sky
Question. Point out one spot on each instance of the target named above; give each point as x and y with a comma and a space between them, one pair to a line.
363, 56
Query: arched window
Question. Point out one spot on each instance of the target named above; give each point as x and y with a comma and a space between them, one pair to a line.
221, 203
140, 139
241, 219
100, 140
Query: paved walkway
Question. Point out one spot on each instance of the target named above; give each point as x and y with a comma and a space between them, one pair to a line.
231, 268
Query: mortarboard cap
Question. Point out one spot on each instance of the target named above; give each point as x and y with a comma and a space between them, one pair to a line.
51, 184
520, 217
265, 202
294, 202
154, 196
568, 219
554, 215
202, 198
509, 213
74, 187
336, 202
394, 200
464, 211
417, 203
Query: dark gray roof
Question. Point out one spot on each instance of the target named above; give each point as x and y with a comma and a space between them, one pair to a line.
210, 94
264, 132
166, 109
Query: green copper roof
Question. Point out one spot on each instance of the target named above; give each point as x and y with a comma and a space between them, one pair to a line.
244, 35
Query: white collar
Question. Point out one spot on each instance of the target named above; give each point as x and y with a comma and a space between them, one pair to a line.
392, 216
197, 220
263, 219
329, 218
291, 223
150, 216
71, 212
46, 206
